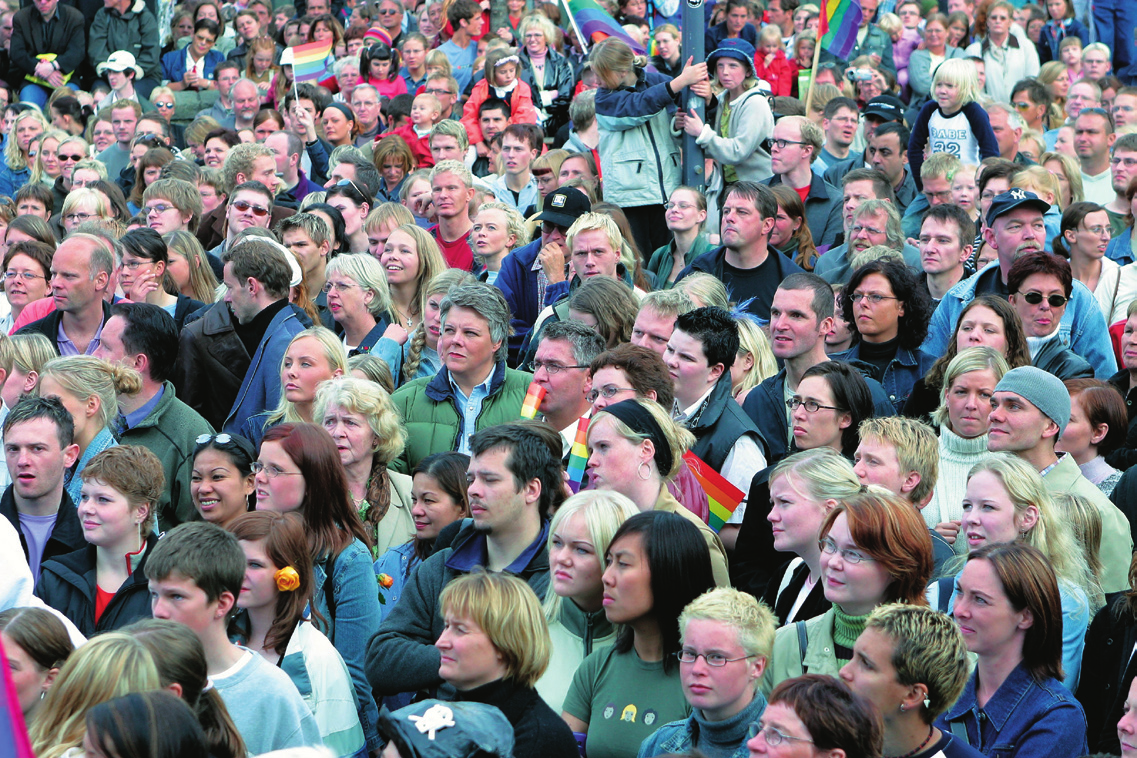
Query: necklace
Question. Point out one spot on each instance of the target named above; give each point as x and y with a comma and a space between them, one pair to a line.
924, 744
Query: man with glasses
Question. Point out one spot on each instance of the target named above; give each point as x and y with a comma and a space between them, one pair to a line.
534, 275
1124, 109
144, 337
445, 88
1005, 59
1093, 138
390, 18
561, 368
365, 104
795, 143
1014, 228
1096, 61
858, 186
250, 204
1082, 94
1122, 168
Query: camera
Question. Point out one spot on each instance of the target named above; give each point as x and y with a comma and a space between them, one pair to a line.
859, 75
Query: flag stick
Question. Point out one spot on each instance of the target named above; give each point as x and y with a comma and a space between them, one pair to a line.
816, 58
580, 37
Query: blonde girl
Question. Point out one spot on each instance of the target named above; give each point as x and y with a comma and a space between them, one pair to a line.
15, 170
189, 267
755, 360
46, 167
952, 121
411, 258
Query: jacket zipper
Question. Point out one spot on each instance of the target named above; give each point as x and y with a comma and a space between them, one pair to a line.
587, 634
658, 163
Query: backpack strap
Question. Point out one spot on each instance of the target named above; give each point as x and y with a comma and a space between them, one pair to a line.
959, 731
945, 587
802, 641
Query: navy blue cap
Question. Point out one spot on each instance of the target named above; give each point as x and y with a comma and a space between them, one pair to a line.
1016, 198
732, 47
885, 107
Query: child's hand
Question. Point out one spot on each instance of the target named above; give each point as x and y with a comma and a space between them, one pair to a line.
702, 89
693, 125
505, 34
692, 72
949, 530
769, 59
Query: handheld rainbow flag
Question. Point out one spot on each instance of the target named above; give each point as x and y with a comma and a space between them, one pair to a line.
578, 456
310, 61
532, 402
594, 24
723, 497
840, 20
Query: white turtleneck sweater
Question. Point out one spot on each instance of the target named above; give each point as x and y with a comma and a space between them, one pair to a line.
957, 456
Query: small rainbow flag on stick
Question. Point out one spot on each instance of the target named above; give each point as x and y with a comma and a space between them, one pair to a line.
840, 20
578, 455
310, 61
723, 496
532, 402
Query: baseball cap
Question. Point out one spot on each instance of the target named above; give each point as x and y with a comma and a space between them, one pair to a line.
120, 60
885, 107
1015, 198
564, 206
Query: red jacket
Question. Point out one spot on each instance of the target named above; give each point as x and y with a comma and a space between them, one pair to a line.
420, 146
520, 107
779, 73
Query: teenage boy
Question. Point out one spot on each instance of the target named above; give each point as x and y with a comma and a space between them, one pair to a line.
517, 188
465, 16
195, 572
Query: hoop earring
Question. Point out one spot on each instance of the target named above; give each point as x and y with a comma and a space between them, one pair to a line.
640, 471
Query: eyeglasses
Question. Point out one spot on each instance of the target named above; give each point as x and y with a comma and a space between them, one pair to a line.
1022, 106
165, 106
607, 392
135, 265
811, 406
242, 207
773, 735
870, 297
222, 438
437, 92
1127, 162
70, 157
552, 368
781, 143
871, 230
548, 227
829, 547
272, 472
718, 660
338, 286
1097, 231
1054, 301
77, 218
679, 206
159, 209
27, 276
388, 11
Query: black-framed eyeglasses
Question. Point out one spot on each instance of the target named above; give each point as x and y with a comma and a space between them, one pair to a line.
548, 227
774, 736
1054, 301
552, 368
811, 406
781, 143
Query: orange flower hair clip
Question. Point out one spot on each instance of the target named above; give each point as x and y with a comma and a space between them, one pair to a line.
287, 580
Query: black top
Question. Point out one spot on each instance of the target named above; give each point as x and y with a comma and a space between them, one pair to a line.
252, 333
537, 731
879, 354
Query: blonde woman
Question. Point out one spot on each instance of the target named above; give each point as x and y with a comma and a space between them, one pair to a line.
313, 356
189, 267
420, 353
498, 230
579, 536
411, 258
46, 168
88, 388
16, 168
29, 354
1006, 501
755, 361
369, 435
109, 666
1068, 175
704, 290
83, 205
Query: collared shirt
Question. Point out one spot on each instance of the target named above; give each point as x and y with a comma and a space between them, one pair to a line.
744, 459
528, 196
198, 66
1050, 468
138, 415
470, 407
67, 347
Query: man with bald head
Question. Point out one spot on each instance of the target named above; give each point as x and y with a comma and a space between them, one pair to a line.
246, 102
80, 274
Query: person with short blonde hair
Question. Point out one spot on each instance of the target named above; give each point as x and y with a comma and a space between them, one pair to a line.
726, 638
899, 454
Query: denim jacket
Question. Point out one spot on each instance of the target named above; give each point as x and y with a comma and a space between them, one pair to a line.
356, 618
900, 375
1024, 719
679, 737
1120, 248
1083, 328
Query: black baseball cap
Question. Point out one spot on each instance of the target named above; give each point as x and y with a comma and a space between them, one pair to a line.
564, 206
885, 107
1016, 198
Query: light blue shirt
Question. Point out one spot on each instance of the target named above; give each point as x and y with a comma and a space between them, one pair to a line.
461, 61
470, 408
529, 195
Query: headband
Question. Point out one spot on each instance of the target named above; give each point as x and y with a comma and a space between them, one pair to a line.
640, 421
508, 59
344, 109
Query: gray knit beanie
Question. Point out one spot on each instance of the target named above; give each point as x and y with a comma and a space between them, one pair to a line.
1042, 389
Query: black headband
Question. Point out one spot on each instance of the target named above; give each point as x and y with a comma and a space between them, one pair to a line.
640, 421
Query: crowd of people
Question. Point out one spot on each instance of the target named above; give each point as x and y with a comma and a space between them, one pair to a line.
418, 408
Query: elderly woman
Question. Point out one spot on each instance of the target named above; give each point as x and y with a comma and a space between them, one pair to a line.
548, 73
819, 711
360, 304
635, 448
733, 634
494, 647
965, 404
1009, 609
911, 662
369, 435
875, 549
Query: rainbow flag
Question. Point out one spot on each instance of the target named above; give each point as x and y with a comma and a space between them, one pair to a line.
532, 402
310, 61
595, 24
723, 496
578, 455
840, 20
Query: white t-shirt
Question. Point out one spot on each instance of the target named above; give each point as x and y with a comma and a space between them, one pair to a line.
953, 135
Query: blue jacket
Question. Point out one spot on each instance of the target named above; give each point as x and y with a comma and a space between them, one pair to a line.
1024, 719
12, 179
260, 390
174, 64
517, 280
680, 737
352, 622
397, 563
1083, 328
901, 373
1120, 248
717, 33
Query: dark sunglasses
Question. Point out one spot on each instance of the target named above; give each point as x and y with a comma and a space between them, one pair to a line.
70, 157
1055, 301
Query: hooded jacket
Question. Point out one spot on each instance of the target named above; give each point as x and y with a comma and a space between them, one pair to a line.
135, 31
751, 123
